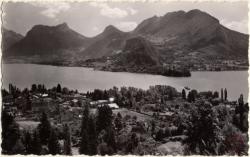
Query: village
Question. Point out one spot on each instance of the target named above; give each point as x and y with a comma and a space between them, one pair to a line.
160, 118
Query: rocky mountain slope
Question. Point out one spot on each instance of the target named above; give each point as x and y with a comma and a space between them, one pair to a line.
138, 52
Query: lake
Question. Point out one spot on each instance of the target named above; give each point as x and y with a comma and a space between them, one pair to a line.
87, 79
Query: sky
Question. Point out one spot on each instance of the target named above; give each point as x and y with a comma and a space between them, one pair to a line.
91, 18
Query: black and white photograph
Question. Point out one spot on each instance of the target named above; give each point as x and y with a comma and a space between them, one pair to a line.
124, 77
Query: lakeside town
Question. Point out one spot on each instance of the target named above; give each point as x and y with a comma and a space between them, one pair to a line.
158, 121
110, 78
190, 62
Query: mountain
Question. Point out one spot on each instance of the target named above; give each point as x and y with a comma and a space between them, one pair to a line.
109, 42
46, 40
138, 52
193, 31
9, 38
182, 33
192, 39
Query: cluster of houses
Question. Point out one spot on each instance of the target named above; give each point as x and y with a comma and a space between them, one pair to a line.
110, 103
63, 108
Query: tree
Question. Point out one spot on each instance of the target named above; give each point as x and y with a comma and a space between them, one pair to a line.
132, 144
65, 90
221, 94
84, 142
119, 115
85, 118
28, 103
44, 89
191, 96
152, 127
39, 88
10, 132
118, 122
18, 148
170, 95
183, 94
92, 137
7, 119
88, 144
44, 128
110, 138
88, 134
4, 92
202, 130
67, 141
10, 88
225, 94
216, 94
33, 88
105, 95
58, 88
53, 144
159, 135
28, 142
241, 111
104, 118
36, 146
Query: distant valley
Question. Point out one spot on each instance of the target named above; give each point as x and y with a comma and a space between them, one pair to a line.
169, 45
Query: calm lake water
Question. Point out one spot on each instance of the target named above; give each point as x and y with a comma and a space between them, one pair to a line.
87, 79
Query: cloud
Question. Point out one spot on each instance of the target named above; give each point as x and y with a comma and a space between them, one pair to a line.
95, 28
113, 12
240, 26
132, 11
51, 10
127, 25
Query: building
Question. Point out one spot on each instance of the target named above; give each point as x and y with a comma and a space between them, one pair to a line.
113, 106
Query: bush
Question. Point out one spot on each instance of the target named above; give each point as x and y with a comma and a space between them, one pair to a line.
139, 128
159, 135
234, 142
127, 117
223, 114
104, 149
167, 132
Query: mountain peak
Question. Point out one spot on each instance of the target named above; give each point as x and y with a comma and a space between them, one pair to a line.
198, 13
9, 38
176, 13
46, 39
63, 25
111, 28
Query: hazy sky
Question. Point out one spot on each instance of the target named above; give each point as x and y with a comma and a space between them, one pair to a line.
90, 18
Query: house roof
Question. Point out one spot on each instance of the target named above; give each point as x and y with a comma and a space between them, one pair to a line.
113, 105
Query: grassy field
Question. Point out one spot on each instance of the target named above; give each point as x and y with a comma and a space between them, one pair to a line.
27, 124
171, 148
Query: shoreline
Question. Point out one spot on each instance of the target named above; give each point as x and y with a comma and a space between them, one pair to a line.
92, 67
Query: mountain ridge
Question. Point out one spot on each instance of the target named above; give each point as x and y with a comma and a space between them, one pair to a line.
174, 36
43, 40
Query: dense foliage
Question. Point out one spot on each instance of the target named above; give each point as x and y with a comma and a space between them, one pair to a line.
203, 123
